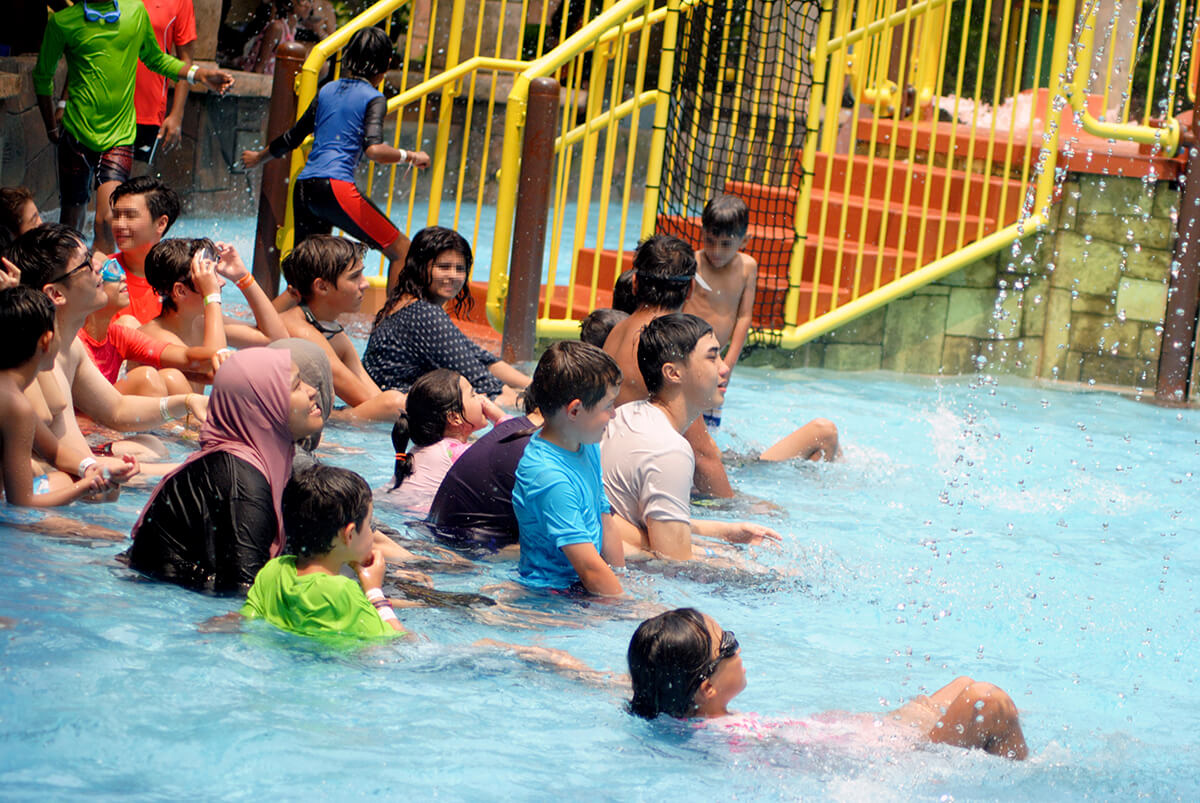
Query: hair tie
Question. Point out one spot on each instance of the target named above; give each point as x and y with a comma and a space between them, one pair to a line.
401, 455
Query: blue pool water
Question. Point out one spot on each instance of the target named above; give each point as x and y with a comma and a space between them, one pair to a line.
1041, 539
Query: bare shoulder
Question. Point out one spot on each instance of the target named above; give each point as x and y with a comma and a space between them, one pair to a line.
15, 406
749, 265
293, 320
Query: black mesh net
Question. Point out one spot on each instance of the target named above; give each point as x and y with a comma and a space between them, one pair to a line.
737, 121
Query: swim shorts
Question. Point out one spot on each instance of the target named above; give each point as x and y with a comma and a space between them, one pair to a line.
41, 484
319, 204
712, 419
81, 169
143, 146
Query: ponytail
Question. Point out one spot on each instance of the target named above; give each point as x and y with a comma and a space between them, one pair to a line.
404, 461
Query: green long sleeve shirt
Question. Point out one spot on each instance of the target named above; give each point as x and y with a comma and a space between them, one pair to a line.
102, 62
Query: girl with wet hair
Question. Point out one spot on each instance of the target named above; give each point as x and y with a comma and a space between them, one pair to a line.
413, 334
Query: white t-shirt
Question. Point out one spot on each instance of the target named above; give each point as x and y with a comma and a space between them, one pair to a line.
647, 466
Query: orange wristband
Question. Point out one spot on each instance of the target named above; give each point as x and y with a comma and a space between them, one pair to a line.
245, 281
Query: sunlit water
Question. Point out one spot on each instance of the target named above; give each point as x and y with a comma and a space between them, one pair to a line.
1040, 539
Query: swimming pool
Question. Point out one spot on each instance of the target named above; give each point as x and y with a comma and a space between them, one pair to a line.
1041, 539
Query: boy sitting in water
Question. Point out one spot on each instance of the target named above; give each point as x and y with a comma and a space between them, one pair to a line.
327, 274
327, 518
726, 296
30, 336
568, 536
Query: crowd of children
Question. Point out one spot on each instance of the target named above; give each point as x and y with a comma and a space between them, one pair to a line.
601, 468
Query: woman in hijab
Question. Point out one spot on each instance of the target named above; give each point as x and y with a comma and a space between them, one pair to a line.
315, 370
212, 523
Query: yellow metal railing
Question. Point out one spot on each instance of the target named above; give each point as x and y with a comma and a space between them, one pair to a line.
947, 153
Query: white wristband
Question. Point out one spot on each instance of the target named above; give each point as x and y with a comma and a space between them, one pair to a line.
403, 155
162, 409
212, 298
62, 104
85, 464
374, 594
191, 74
387, 614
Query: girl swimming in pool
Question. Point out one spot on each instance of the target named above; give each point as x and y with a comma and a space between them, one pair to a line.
443, 411
681, 663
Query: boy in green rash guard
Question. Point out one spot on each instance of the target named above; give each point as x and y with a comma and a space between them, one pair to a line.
327, 519
102, 42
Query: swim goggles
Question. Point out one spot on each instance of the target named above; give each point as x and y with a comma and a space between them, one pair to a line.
112, 271
92, 15
727, 649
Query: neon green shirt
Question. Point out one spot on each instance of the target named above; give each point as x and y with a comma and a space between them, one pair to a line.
314, 604
102, 62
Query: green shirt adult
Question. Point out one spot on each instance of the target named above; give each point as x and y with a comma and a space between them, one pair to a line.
316, 604
102, 62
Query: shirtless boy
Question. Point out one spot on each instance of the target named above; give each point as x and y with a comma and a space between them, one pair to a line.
327, 273
184, 273
728, 301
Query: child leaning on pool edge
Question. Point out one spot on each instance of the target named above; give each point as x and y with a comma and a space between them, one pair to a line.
327, 518
568, 535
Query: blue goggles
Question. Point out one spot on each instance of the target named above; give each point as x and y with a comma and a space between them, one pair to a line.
92, 15
112, 271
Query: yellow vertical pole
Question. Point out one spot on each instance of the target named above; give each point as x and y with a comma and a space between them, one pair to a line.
634, 127
437, 172
694, 123
658, 140
1063, 33
756, 97
510, 168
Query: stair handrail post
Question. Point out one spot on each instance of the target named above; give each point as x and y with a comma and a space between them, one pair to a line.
658, 136
273, 191
529, 231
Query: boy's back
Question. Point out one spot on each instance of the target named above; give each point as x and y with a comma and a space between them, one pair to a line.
558, 500
313, 604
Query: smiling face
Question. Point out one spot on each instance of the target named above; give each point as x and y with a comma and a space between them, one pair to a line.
81, 289
304, 411
447, 275
705, 375
133, 227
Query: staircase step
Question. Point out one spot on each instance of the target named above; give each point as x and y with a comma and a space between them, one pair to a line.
949, 138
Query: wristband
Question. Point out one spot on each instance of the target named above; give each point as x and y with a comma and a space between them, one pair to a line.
162, 409
403, 155
62, 104
212, 298
85, 464
224, 350
374, 594
191, 74
386, 613
245, 281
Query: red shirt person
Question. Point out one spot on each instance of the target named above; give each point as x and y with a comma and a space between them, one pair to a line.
174, 24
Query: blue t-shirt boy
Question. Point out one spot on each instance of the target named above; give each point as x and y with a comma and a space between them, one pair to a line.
559, 499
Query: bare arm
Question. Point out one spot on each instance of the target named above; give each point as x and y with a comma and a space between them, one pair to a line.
231, 267
17, 431
671, 539
385, 154
204, 278
171, 130
509, 375
612, 547
735, 532
745, 313
98, 399
594, 573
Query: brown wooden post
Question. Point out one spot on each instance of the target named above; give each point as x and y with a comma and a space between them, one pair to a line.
529, 231
1183, 295
272, 197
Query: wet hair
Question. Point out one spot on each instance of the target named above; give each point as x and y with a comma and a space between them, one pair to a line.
726, 216
318, 501
623, 300
416, 275
368, 54
12, 204
432, 399
42, 253
571, 370
666, 656
26, 313
668, 338
170, 261
665, 266
320, 256
595, 327
160, 199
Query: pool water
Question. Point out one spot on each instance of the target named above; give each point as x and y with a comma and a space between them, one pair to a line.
1040, 539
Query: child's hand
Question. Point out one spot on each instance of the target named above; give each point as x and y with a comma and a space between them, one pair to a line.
229, 263
419, 159
197, 405
10, 276
120, 469
204, 274
252, 159
745, 532
491, 410
370, 574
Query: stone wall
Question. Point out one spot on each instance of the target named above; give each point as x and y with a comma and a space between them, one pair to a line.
1082, 301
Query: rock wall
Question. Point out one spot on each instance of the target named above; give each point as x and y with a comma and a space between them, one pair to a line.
1082, 301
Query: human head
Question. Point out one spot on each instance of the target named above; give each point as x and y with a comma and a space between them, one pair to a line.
668, 339
571, 371
327, 266
725, 216
313, 366
595, 327
319, 503
435, 402
368, 54
169, 268
672, 656
622, 299
665, 267
144, 209
417, 276
18, 213
26, 324
44, 252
